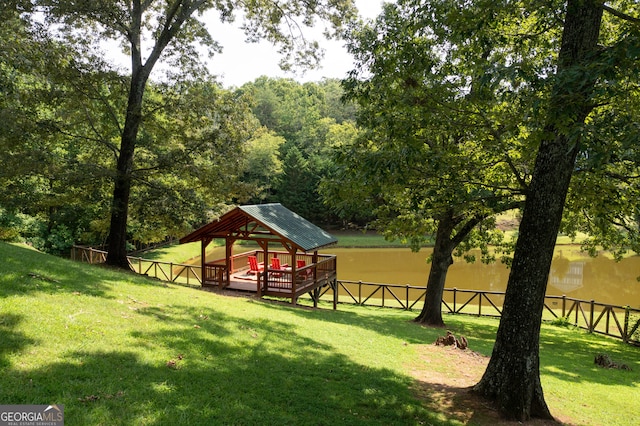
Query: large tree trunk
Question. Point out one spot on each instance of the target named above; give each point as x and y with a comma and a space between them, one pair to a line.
452, 230
512, 378
441, 259
117, 241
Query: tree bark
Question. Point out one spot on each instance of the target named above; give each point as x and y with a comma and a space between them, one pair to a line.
441, 259
117, 242
452, 230
512, 378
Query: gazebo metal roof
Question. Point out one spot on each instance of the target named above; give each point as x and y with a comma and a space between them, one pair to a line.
265, 222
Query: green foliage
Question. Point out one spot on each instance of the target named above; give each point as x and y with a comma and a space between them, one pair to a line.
60, 153
634, 325
562, 322
310, 118
444, 136
602, 199
189, 157
151, 33
10, 226
263, 167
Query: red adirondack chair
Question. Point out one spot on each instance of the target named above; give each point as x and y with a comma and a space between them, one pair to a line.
301, 264
275, 264
254, 266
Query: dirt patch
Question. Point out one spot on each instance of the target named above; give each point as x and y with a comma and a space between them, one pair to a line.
444, 377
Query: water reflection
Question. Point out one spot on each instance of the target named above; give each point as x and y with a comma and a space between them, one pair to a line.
573, 273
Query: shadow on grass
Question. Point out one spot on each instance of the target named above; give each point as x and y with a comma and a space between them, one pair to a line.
481, 335
10, 340
264, 374
24, 271
395, 324
567, 354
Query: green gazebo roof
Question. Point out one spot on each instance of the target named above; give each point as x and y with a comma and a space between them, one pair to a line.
265, 222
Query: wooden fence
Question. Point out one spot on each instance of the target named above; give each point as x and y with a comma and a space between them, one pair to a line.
622, 322
180, 273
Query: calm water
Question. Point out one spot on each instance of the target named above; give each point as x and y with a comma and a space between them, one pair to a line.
572, 274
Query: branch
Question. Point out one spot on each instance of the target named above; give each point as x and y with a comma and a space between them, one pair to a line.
507, 158
176, 16
621, 15
467, 228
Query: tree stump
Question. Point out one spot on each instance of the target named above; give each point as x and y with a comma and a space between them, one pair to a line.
605, 361
451, 340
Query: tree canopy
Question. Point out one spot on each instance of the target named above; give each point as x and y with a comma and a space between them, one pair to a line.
151, 32
446, 150
199, 148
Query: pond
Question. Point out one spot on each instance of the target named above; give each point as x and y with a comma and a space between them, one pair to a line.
573, 274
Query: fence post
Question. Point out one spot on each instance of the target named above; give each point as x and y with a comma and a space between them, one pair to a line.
480, 304
171, 271
625, 335
359, 292
592, 303
455, 292
564, 306
407, 288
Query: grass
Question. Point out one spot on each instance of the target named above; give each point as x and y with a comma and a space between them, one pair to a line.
349, 239
116, 348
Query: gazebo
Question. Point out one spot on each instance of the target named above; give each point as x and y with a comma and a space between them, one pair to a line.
287, 264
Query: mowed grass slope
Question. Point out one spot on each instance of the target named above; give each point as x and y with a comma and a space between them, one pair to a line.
117, 348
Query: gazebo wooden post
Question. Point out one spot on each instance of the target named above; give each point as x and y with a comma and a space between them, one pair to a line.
228, 245
265, 272
203, 258
294, 284
316, 289
315, 267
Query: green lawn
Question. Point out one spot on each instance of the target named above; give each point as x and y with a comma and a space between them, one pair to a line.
116, 348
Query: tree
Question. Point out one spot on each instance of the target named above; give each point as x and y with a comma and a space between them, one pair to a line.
61, 146
297, 183
309, 117
445, 148
41, 178
189, 158
174, 31
263, 165
512, 378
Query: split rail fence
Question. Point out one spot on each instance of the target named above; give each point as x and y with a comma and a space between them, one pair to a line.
622, 322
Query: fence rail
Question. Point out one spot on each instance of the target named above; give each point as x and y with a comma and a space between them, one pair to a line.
181, 273
622, 322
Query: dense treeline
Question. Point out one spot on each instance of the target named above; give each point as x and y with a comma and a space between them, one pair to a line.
201, 147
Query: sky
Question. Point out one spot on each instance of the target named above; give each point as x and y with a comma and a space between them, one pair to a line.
241, 62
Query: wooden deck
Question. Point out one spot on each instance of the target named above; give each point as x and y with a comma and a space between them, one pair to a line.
289, 282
